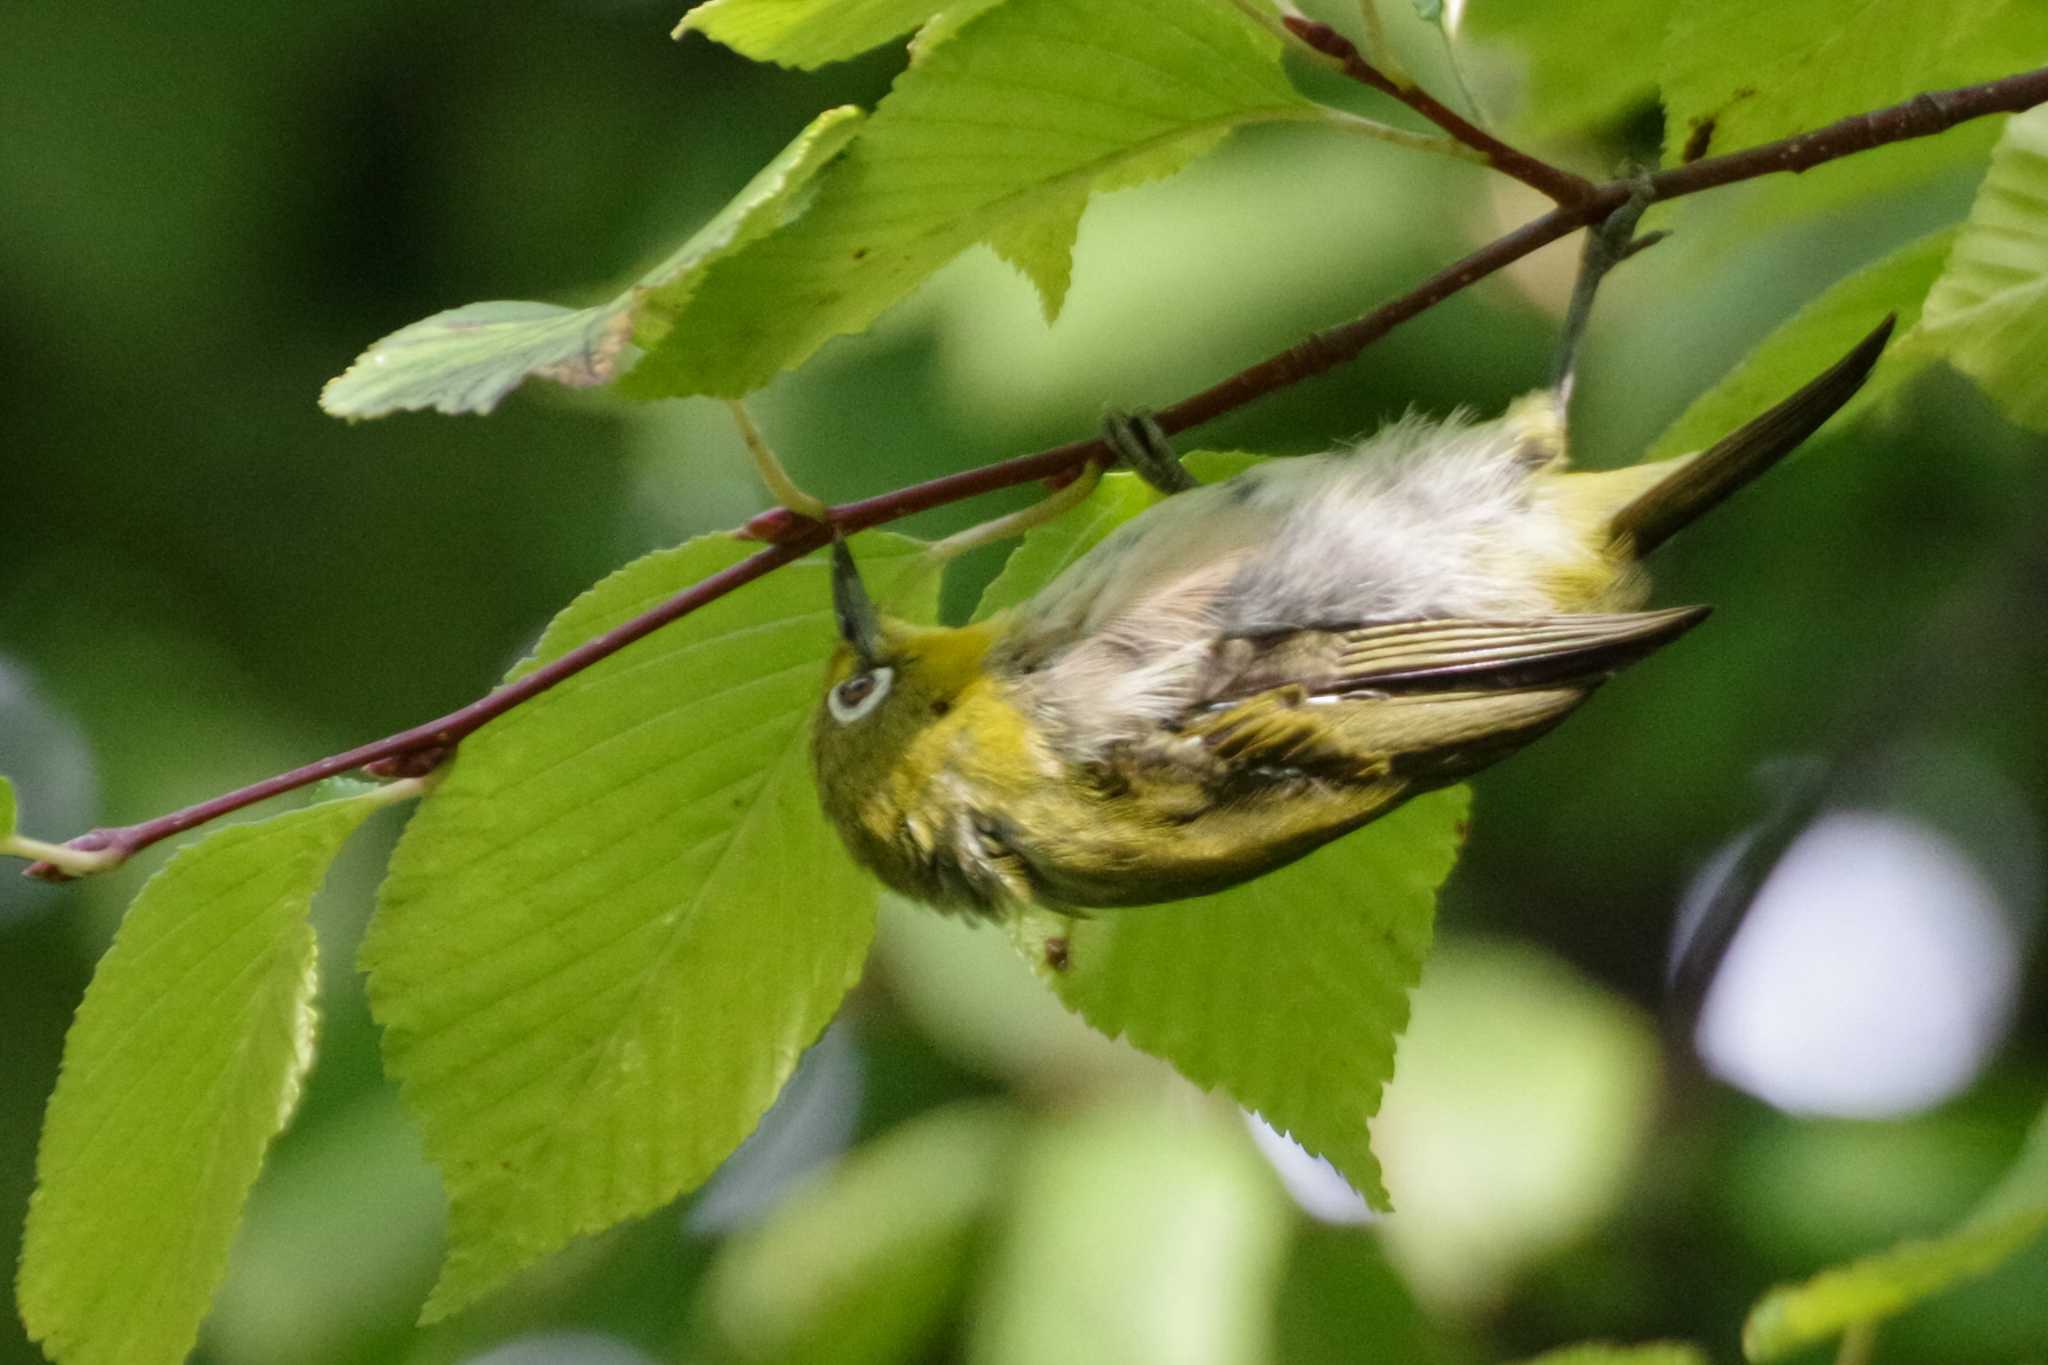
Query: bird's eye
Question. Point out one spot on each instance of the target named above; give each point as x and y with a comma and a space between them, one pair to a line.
859, 694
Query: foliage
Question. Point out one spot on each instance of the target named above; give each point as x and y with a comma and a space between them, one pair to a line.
1987, 312
550, 958
469, 358
618, 920
2011, 1217
188, 1056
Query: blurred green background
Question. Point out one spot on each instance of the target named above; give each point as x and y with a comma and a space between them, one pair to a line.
210, 208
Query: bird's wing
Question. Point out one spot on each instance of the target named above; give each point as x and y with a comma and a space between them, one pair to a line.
1430, 699
1441, 655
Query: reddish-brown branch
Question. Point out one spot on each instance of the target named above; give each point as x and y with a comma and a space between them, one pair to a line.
791, 537
442, 735
1560, 184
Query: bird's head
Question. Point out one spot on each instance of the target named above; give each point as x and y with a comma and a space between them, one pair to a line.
890, 721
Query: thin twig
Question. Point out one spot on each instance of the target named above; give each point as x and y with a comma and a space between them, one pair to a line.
1382, 50
790, 536
768, 465
1561, 185
437, 737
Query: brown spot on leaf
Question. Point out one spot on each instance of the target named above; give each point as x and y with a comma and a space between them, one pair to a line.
1056, 956
860, 253
1697, 143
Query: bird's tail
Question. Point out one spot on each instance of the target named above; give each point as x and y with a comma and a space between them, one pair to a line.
1700, 482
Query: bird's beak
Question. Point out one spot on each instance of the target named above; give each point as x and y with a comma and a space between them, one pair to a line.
860, 625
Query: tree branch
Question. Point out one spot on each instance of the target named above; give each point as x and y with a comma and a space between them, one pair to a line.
1560, 184
791, 536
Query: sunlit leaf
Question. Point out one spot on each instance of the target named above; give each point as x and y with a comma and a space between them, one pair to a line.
1746, 71
6, 808
1600, 1353
861, 1265
608, 935
185, 1059
805, 33
1559, 89
2011, 1218
1814, 338
993, 133
1286, 993
1988, 313
1134, 1237
467, 359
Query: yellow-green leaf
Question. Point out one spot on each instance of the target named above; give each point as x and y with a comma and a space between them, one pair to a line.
1987, 315
1286, 993
1024, 106
805, 33
184, 1061
1558, 88
467, 359
2011, 1218
1813, 339
610, 932
1740, 72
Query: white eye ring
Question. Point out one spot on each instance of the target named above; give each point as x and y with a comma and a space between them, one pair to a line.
858, 695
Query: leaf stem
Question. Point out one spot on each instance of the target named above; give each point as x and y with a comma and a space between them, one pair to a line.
438, 737
68, 859
1561, 185
1346, 122
790, 536
769, 466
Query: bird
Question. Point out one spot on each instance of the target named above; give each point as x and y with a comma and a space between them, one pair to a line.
1251, 668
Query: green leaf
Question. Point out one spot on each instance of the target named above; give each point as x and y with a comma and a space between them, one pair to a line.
1814, 338
991, 134
6, 809
1562, 90
2011, 1217
619, 919
1286, 993
805, 34
1600, 1353
1135, 1237
1988, 313
1746, 71
862, 1265
185, 1059
1429, 11
467, 359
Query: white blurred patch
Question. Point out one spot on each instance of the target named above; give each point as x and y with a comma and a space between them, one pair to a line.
1873, 975
1314, 1183
562, 1348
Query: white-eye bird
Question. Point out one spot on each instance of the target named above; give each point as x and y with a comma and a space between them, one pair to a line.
1254, 667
